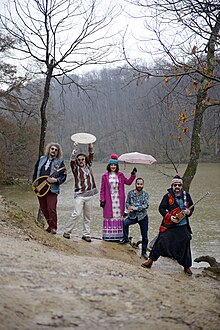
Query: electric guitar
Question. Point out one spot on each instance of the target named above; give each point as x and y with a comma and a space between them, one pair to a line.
42, 187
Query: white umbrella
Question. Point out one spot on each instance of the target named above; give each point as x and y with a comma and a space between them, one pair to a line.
137, 157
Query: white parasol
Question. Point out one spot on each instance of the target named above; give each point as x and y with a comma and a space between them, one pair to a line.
83, 138
137, 157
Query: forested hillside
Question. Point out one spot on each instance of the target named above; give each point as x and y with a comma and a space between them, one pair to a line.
125, 114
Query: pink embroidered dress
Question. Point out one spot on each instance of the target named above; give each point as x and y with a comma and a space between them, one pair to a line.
113, 227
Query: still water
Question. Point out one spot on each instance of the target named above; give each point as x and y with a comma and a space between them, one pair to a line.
204, 222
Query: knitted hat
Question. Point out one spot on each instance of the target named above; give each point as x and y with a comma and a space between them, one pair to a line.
176, 179
113, 159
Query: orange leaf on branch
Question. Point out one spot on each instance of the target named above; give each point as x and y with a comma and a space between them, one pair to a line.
166, 79
195, 85
183, 116
207, 85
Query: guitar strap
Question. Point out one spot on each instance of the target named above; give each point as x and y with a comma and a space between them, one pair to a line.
184, 199
171, 200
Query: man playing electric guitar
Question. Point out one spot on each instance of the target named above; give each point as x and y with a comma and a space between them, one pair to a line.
49, 166
175, 232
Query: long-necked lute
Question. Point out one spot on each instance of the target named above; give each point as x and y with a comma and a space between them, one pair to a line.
42, 187
179, 216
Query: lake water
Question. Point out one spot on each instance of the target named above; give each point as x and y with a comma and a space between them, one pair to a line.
204, 222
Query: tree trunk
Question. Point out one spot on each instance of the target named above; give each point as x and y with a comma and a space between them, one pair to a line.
195, 141
43, 109
201, 106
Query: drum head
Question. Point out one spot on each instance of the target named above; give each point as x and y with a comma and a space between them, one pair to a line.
83, 138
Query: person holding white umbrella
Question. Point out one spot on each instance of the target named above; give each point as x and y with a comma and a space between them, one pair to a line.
84, 185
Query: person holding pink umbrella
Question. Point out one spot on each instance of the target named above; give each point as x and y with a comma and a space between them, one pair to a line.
112, 199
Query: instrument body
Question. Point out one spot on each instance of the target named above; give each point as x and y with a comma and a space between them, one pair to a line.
179, 216
43, 187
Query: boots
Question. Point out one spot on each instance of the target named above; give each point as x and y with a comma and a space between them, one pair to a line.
188, 271
148, 263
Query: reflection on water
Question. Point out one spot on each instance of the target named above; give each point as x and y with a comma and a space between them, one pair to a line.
204, 222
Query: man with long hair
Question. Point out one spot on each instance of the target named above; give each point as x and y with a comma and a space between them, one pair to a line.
51, 166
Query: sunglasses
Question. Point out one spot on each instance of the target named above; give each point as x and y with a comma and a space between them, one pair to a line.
55, 149
177, 185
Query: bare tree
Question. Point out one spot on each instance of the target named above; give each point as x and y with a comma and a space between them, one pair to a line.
186, 35
60, 36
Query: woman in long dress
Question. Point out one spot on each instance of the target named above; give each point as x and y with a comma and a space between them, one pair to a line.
112, 199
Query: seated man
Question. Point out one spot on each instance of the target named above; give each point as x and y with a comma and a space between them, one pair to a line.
137, 204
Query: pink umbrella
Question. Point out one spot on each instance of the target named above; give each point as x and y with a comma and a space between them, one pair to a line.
137, 157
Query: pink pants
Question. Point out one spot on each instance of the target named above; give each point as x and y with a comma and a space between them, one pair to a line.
48, 205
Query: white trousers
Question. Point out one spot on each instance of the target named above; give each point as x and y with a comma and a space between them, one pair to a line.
84, 207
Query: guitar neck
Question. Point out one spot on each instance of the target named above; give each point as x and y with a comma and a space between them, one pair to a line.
53, 175
199, 200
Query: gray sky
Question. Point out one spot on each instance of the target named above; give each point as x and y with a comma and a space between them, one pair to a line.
131, 29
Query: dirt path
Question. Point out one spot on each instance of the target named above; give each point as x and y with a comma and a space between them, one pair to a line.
47, 282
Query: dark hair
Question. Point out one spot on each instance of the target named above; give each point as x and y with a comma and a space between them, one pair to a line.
139, 179
84, 155
109, 169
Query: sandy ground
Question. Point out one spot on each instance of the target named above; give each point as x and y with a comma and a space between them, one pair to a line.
47, 282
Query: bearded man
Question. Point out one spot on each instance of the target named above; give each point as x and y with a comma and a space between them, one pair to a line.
84, 191
174, 236
137, 204
51, 166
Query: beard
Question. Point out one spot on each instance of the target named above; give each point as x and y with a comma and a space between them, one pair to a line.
81, 164
139, 188
177, 190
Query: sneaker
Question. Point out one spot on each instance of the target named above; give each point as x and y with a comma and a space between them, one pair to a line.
87, 238
144, 255
148, 263
188, 271
66, 235
48, 230
123, 241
